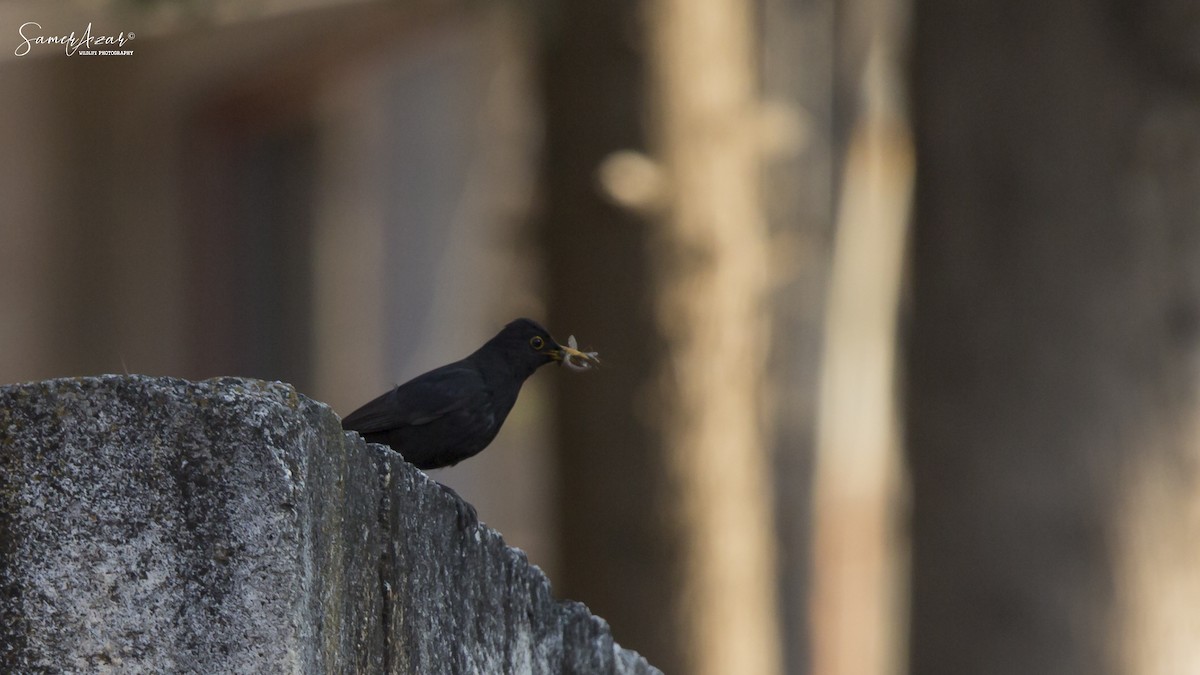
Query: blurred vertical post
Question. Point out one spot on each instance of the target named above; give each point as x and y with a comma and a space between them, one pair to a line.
617, 549
1053, 381
657, 244
796, 52
857, 555
857, 587
711, 308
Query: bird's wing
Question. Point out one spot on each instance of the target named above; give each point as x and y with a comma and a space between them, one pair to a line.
418, 401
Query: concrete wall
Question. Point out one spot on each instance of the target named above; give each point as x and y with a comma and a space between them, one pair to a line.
159, 524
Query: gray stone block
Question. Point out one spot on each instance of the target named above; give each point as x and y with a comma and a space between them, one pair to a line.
160, 525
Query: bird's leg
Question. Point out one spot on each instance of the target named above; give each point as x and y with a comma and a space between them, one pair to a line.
467, 516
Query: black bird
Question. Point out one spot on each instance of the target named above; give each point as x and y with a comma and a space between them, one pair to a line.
451, 413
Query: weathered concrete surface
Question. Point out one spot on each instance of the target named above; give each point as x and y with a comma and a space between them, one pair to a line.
160, 525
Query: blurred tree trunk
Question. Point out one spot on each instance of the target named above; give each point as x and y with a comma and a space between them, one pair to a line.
859, 555
657, 250
711, 276
1052, 376
797, 64
616, 549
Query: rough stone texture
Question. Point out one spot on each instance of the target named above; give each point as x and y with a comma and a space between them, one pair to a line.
160, 525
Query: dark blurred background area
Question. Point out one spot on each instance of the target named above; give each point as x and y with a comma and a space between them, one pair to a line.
898, 301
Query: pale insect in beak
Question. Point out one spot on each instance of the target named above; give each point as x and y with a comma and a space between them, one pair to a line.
576, 360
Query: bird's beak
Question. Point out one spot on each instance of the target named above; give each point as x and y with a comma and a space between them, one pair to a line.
573, 358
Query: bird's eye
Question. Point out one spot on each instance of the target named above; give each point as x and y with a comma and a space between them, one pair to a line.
537, 342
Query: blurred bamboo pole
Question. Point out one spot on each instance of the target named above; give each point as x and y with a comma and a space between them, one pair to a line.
856, 610
711, 311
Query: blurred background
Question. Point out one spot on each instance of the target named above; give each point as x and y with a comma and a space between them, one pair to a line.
899, 300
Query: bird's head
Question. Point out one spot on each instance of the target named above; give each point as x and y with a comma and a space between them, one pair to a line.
528, 346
